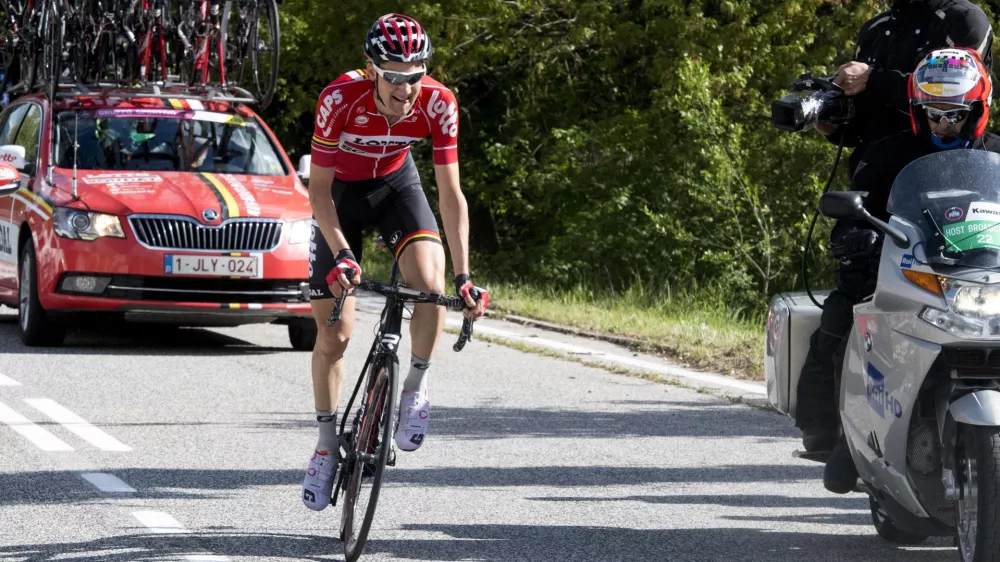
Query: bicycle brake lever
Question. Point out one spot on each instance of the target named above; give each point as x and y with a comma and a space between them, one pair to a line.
465, 336
337, 309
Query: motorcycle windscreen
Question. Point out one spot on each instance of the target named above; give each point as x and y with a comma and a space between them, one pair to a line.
953, 198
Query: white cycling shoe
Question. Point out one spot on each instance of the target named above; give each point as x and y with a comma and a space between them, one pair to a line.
317, 486
414, 411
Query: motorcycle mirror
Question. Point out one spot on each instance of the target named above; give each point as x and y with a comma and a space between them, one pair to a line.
842, 205
850, 204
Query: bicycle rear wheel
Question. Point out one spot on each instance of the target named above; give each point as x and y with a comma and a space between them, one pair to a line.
252, 46
365, 465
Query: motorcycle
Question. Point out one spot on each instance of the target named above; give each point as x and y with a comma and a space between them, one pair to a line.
919, 381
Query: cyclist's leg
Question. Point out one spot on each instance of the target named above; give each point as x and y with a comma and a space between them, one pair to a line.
410, 229
328, 353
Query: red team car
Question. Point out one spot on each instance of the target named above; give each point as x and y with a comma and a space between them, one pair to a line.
152, 209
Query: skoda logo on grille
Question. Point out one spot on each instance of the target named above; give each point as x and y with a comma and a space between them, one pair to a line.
209, 214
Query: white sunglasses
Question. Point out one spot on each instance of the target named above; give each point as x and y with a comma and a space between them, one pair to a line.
397, 78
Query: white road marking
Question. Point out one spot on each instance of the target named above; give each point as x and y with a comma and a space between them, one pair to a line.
159, 522
81, 427
32, 432
164, 524
107, 482
668, 370
7, 381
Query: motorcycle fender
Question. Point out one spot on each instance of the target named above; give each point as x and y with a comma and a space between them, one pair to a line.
981, 407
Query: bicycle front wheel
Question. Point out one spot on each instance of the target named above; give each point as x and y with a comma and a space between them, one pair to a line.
371, 444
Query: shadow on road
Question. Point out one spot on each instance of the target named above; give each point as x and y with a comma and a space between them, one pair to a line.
22, 488
658, 419
750, 500
575, 543
499, 543
575, 476
130, 339
709, 419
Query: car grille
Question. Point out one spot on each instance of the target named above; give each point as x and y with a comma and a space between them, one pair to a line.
184, 233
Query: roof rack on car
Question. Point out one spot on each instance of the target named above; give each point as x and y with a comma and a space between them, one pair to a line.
169, 90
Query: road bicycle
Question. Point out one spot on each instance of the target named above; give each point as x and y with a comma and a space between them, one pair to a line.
369, 445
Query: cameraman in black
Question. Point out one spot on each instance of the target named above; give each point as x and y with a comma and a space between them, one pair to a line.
949, 108
888, 48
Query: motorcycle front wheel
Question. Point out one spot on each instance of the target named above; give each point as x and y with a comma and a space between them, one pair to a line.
978, 475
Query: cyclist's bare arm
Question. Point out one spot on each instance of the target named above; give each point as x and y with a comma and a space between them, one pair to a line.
324, 210
454, 214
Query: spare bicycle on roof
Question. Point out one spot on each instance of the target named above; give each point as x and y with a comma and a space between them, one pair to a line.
224, 50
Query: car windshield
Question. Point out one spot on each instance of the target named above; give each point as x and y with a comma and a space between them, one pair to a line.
953, 198
165, 140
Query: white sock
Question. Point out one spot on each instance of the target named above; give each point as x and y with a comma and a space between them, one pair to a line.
416, 381
327, 422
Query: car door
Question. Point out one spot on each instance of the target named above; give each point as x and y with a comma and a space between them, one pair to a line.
11, 120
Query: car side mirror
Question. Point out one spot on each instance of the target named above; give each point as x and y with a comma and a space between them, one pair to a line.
10, 179
304, 164
13, 154
842, 205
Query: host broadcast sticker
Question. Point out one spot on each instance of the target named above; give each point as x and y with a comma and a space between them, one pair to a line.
980, 229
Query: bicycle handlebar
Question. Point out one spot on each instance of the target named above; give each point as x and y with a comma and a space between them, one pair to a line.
411, 295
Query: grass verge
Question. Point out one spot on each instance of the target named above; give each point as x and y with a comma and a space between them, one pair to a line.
693, 333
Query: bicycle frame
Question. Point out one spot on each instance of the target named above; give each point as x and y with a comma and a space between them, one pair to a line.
388, 338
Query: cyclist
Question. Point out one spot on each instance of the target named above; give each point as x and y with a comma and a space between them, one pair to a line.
363, 175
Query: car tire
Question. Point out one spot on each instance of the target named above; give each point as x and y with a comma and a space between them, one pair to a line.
302, 336
37, 329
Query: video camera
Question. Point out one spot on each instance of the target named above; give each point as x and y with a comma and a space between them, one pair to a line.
826, 103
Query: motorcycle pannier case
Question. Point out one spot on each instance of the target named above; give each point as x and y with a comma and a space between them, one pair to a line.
791, 321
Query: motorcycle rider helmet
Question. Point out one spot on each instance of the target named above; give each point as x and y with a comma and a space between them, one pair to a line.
397, 38
954, 77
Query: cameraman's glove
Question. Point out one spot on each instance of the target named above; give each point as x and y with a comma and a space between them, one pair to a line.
337, 278
472, 294
855, 245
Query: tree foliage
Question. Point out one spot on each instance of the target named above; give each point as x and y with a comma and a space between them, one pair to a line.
608, 142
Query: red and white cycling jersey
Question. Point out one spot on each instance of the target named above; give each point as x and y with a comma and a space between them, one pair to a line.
352, 137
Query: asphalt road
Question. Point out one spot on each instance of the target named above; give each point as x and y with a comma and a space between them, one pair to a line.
186, 444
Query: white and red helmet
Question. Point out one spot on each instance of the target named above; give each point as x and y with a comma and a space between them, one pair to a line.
956, 77
397, 38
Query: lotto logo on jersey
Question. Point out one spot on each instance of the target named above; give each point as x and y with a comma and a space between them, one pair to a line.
334, 98
445, 113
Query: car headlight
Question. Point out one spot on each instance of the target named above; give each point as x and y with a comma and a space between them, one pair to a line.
85, 225
973, 309
300, 232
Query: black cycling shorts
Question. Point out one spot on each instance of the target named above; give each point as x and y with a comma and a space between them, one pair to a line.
395, 204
